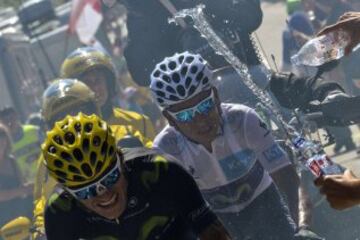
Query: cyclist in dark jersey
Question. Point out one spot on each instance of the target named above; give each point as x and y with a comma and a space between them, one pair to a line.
109, 194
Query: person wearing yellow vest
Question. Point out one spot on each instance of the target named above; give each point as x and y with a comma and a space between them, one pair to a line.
68, 97
26, 142
96, 69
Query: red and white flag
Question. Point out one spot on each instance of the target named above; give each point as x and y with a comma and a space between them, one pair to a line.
85, 19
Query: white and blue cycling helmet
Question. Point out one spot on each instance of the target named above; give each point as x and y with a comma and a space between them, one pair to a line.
179, 78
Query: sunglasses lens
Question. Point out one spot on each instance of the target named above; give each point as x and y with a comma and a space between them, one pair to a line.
110, 180
184, 116
107, 182
205, 107
82, 194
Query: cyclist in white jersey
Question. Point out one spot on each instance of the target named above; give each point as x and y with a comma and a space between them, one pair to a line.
227, 148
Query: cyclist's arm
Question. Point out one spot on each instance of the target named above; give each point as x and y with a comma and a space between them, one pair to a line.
274, 159
61, 220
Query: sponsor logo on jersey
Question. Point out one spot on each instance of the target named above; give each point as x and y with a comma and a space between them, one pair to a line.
273, 153
237, 192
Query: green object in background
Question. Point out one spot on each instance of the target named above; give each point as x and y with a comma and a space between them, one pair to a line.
292, 6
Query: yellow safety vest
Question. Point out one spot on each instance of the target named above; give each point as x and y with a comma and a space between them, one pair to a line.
26, 150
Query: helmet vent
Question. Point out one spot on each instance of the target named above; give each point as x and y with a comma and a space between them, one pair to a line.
61, 174
88, 127
173, 98
206, 80
111, 150
176, 77
163, 67
159, 85
85, 145
77, 127
69, 138
189, 59
156, 74
73, 169
181, 59
93, 157
58, 140
181, 90
96, 141
188, 82
78, 178
193, 69
192, 90
99, 165
170, 89
184, 71
199, 76
104, 148
172, 65
166, 78
86, 169
160, 93
60, 180
52, 149
78, 154
66, 156
58, 163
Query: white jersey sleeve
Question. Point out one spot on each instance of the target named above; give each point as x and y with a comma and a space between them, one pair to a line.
260, 139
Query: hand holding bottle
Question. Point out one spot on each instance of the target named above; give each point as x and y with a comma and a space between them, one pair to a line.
350, 23
342, 191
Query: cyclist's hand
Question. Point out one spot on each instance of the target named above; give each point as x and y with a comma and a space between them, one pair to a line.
349, 22
307, 234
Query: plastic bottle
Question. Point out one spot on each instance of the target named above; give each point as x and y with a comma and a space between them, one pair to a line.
315, 159
323, 49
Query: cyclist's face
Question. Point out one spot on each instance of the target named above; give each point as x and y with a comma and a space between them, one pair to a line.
112, 203
96, 80
203, 128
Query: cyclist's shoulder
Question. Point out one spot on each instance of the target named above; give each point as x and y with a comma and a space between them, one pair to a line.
169, 140
235, 114
143, 159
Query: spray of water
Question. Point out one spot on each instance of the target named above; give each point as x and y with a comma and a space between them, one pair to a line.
202, 25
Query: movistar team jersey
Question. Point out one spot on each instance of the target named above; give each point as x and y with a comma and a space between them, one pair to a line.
163, 202
44, 185
237, 170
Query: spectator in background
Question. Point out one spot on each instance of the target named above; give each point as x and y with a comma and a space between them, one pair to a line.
327, 12
298, 31
26, 142
15, 197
